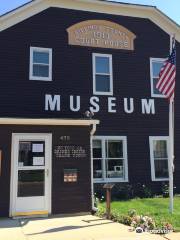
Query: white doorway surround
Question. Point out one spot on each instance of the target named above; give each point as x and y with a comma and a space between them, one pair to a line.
31, 159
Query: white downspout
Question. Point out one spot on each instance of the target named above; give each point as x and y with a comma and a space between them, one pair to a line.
91, 152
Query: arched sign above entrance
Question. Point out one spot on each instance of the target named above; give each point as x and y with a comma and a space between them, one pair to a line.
101, 33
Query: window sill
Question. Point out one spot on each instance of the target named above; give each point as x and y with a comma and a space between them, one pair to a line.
103, 93
160, 179
40, 79
110, 180
157, 95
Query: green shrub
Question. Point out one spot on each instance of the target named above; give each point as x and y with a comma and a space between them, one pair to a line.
142, 191
124, 191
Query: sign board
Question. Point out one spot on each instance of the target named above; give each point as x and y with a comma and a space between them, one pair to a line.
37, 148
108, 186
70, 151
38, 161
102, 34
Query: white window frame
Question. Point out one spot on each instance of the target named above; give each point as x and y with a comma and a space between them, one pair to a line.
39, 49
125, 157
151, 139
161, 60
109, 56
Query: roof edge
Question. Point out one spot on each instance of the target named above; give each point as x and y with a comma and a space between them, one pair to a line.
108, 7
112, 2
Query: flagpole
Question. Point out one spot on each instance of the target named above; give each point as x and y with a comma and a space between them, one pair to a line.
171, 146
171, 156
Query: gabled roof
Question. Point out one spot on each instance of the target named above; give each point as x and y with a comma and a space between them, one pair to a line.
109, 7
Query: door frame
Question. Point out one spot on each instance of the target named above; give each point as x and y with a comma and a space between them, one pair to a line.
16, 136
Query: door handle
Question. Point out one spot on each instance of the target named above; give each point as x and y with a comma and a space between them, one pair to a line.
47, 172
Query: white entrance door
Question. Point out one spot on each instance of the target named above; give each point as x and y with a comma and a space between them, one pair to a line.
31, 174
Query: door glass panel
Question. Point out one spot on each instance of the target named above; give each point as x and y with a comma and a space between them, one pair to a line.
31, 153
30, 183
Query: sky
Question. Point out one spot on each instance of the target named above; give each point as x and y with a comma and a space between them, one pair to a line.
170, 7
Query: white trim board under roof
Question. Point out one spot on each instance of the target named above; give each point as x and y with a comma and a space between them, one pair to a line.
48, 121
123, 9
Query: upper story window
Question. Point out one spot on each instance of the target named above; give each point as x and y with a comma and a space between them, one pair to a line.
40, 64
102, 74
159, 158
110, 159
155, 67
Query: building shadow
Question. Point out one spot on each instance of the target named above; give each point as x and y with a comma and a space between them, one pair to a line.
68, 228
9, 223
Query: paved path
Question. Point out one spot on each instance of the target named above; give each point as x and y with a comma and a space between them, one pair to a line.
172, 236
11, 230
70, 228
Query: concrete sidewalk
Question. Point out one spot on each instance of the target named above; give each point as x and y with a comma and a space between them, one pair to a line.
11, 230
173, 236
69, 228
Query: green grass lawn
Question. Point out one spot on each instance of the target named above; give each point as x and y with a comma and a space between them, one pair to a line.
153, 207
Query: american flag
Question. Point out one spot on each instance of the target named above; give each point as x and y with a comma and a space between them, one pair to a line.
167, 75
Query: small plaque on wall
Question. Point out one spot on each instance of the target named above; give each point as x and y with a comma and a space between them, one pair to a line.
70, 175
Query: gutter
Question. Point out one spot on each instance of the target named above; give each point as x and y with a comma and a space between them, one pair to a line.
92, 132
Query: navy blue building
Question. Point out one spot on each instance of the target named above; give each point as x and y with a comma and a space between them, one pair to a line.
60, 62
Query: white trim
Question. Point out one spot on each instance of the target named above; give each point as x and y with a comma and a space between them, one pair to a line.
58, 122
161, 60
92, 185
140, 11
91, 152
47, 137
125, 157
151, 139
40, 49
106, 180
109, 56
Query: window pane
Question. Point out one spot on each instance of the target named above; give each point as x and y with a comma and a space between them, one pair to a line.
102, 83
161, 168
29, 154
102, 65
155, 90
41, 57
97, 168
115, 149
31, 183
114, 168
97, 149
160, 149
40, 71
156, 68
25, 154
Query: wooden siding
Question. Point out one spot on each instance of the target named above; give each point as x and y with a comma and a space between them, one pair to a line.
66, 197
72, 75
